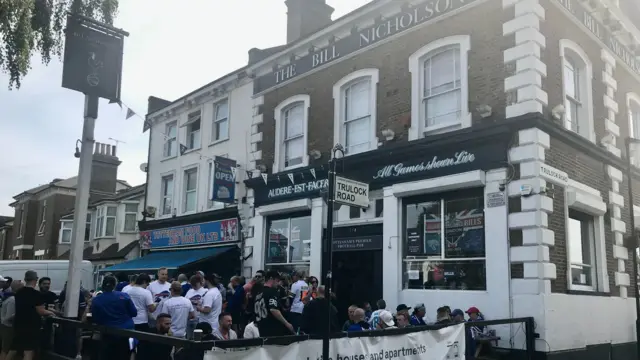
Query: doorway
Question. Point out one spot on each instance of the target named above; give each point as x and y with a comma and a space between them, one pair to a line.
357, 278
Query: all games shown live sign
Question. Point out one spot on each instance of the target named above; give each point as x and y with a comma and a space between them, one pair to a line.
407, 18
92, 58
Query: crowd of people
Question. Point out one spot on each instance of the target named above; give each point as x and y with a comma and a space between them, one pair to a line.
200, 307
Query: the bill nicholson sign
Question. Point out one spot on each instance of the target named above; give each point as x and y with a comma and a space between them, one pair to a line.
407, 18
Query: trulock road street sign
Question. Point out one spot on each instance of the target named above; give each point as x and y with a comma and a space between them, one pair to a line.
351, 192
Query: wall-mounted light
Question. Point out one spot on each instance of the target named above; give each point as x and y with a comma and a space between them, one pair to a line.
262, 168
77, 153
607, 139
315, 154
558, 112
484, 110
388, 134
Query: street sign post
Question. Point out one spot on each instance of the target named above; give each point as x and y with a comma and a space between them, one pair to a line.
352, 193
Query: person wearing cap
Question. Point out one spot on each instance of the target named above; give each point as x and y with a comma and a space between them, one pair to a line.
417, 318
385, 321
475, 315
457, 316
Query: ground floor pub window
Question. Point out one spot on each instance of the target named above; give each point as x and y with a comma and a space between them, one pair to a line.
444, 242
288, 243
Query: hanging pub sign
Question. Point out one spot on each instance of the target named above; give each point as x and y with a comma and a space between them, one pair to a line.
93, 58
407, 18
224, 180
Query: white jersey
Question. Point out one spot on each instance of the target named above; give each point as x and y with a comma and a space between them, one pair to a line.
141, 299
159, 292
298, 288
213, 300
179, 308
195, 296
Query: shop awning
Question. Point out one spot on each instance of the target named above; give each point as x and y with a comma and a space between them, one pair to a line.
170, 259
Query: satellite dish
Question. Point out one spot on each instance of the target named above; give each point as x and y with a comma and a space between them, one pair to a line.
143, 167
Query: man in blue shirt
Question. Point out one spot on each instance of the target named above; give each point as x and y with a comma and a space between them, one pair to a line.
417, 319
113, 309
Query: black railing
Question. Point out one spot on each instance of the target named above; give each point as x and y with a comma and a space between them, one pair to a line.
65, 337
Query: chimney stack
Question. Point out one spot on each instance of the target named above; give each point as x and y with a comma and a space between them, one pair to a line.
104, 168
304, 17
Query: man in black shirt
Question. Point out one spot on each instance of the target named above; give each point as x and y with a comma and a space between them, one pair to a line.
28, 318
268, 310
49, 297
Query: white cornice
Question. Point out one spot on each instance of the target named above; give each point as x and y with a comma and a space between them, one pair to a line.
627, 24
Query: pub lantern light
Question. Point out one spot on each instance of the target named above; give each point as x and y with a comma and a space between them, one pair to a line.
484, 110
77, 153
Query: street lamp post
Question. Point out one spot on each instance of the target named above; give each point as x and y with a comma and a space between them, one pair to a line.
327, 256
633, 244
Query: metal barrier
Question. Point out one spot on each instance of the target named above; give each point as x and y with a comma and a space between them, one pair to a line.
67, 333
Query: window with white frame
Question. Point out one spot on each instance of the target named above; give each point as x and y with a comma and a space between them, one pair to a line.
65, 232
220, 129
210, 203
576, 88
167, 195
633, 105
130, 217
21, 221
43, 218
171, 139
87, 229
100, 215
355, 111
190, 185
439, 89
288, 243
291, 133
581, 231
110, 225
193, 130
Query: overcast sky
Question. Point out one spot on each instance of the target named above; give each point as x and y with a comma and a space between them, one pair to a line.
172, 50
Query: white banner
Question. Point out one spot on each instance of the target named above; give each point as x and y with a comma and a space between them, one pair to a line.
447, 343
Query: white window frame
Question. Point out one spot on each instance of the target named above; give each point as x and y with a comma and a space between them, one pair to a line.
212, 205
183, 194
632, 98
584, 199
571, 50
193, 117
88, 226
63, 229
339, 131
170, 140
99, 229
278, 164
163, 197
215, 120
416, 61
21, 223
129, 213
43, 218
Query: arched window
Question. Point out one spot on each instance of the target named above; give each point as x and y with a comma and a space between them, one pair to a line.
291, 133
440, 87
633, 106
355, 111
576, 88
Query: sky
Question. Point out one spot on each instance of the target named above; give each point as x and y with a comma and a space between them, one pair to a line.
172, 50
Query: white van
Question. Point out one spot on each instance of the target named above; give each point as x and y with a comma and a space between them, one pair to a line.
57, 270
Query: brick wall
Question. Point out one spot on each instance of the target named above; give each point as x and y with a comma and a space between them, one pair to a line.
486, 77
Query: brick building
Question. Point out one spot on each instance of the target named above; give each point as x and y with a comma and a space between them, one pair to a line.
492, 136
38, 211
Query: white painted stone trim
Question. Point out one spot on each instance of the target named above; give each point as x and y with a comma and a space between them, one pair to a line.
632, 97
525, 85
616, 203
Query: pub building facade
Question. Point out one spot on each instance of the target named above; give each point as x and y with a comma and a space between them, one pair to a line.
193, 209
494, 152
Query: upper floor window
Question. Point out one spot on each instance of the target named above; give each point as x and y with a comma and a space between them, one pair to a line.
21, 221
66, 230
193, 130
130, 217
190, 184
171, 140
576, 87
355, 111
167, 195
440, 87
43, 218
220, 130
291, 133
106, 221
633, 106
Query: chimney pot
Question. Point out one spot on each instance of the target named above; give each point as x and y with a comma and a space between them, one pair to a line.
113, 150
103, 148
96, 150
107, 150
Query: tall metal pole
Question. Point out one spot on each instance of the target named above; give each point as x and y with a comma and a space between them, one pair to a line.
635, 246
81, 204
327, 256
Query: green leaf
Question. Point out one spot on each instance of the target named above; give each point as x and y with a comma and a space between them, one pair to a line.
37, 26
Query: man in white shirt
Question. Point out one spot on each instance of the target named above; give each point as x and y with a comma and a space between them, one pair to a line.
159, 291
224, 331
211, 305
298, 288
180, 310
143, 301
375, 316
133, 282
195, 295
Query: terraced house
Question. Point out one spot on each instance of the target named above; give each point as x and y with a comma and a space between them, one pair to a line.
491, 134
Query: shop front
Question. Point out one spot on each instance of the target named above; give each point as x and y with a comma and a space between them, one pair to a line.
206, 242
435, 231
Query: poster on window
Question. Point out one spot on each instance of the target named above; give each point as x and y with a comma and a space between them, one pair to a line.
415, 244
464, 234
432, 235
278, 242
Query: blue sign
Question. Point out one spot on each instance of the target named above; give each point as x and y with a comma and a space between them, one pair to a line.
196, 234
224, 180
